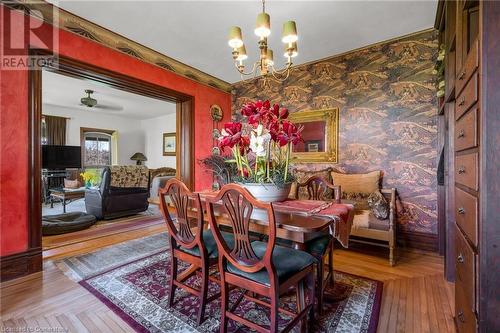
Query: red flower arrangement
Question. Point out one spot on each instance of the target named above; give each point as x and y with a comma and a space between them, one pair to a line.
267, 134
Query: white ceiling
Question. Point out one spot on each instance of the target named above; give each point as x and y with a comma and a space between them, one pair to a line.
195, 32
65, 92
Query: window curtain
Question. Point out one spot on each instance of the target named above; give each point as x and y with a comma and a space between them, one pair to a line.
55, 130
114, 148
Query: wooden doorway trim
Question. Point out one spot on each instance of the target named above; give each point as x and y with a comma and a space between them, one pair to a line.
30, 261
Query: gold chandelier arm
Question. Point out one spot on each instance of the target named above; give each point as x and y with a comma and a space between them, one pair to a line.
242, 72
283, 74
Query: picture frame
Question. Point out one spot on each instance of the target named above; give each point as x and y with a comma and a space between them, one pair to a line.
327, 149
169, 144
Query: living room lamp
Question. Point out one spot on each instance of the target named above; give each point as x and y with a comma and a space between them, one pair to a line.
265, 64
139, 158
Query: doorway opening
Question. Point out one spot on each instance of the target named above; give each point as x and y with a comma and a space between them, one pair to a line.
124, 127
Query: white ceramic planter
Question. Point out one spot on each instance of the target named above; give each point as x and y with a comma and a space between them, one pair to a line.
268, 192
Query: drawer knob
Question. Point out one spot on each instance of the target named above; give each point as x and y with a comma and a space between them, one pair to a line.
462, 75
462, 101
460, 258
460, 316
461, 133
461, 170
461, 210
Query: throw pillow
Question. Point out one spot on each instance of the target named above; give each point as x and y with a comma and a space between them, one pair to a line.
379, 205
357, 187
71, 183
361, 183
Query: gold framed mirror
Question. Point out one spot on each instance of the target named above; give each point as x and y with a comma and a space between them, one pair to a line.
320, 134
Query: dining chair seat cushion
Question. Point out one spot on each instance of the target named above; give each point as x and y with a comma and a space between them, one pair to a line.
210, 244
287, 262
319, 245
316, 246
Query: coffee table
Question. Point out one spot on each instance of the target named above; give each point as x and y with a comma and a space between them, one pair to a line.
66, 195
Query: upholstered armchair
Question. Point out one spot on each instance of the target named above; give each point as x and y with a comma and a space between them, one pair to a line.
158, 178
123, 191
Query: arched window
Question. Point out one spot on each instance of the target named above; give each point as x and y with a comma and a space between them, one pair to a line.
96, 149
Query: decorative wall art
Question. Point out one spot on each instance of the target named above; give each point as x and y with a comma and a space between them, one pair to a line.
169, 144
386, 95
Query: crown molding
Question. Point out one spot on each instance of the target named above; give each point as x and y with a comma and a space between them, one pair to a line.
94, 32
339, 55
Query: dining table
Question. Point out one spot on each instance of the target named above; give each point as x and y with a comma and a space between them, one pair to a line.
297, 221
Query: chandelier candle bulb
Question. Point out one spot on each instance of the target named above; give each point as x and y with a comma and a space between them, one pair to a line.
289, 32
235, 38
242, 53
291, 50
270, 57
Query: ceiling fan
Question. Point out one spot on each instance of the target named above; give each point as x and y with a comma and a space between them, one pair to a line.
90, 102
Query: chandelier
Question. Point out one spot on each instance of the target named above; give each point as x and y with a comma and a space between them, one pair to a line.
265, 64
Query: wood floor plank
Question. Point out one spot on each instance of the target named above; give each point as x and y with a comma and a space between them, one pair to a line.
393, 315
416, 298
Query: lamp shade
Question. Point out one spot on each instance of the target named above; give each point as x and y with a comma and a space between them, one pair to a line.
235, 38
242, 53
263, 25
269, 57
293, 49
289, 32
139, 157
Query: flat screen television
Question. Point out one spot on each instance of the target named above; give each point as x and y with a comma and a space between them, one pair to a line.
61, 157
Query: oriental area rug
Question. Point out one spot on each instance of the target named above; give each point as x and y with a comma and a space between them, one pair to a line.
131, 278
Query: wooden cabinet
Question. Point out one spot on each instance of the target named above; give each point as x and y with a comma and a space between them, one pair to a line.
466, 214
466, 134
471, 29
466, 171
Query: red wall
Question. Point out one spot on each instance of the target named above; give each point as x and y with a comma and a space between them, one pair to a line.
14, 124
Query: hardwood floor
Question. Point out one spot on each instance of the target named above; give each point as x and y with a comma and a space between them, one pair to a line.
416, 298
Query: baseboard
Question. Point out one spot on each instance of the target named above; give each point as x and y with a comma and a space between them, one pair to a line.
20, 264
418, 240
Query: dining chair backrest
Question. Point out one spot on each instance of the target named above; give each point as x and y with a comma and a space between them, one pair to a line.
236, 205
188, 212
318, 188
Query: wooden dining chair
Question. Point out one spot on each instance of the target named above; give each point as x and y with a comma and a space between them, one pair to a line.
259, 268
198, 249
321, 247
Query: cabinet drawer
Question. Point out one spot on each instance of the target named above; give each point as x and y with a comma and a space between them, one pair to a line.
465, 270
464, 317
467, 97
471, 63
466, 214
466, 170
466, 130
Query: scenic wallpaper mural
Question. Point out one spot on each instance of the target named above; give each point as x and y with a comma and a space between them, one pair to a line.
388, 116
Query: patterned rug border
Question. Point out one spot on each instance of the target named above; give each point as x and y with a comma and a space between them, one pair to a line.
372, 328
119, 312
